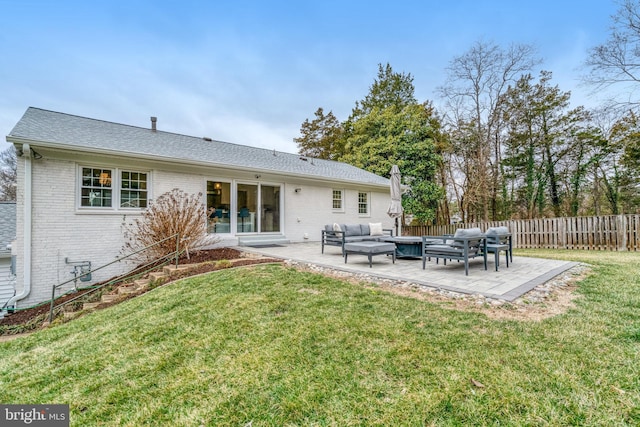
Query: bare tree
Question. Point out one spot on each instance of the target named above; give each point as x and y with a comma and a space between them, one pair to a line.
8, 174
172, 212
476, 81
617, 61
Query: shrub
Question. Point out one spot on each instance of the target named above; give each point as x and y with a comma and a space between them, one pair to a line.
172, 212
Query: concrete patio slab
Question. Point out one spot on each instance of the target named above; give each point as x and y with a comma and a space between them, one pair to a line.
523, 274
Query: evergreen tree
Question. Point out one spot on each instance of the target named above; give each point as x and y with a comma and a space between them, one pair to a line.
322, 137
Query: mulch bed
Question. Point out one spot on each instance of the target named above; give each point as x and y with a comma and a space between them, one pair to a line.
206, 259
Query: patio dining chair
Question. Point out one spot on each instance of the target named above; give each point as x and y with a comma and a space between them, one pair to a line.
498, 240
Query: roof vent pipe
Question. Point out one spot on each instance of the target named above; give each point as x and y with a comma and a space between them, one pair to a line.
153, 123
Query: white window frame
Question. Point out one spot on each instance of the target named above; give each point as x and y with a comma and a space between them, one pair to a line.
366, 204
120, 171
333, 200
116, 189
82, 187
232, 198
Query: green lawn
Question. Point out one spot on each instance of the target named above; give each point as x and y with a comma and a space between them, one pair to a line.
273, 346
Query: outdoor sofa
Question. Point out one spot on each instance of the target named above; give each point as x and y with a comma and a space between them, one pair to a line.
339, 234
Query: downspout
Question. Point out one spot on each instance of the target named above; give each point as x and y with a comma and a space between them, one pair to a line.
26, 226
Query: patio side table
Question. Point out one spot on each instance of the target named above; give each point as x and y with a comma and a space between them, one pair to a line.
496, 248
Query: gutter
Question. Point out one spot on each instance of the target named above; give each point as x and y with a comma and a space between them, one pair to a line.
27, 202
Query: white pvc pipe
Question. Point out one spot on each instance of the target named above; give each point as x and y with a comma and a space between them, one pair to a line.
26, 226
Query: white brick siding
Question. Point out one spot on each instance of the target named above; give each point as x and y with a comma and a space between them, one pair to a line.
60, 230
310, 209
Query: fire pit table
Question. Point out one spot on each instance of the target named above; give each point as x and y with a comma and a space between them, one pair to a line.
407, 246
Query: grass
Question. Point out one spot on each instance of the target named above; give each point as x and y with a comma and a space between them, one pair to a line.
269, 345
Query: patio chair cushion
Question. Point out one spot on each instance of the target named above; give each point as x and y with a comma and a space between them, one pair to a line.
352, 230
492, 231
368, 247
464, 232
444, 250
467, 232
350, 239
364, 229
497, 235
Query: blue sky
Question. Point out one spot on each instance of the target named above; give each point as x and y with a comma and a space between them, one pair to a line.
251, 72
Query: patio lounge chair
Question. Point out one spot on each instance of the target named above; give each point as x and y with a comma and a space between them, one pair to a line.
465, 244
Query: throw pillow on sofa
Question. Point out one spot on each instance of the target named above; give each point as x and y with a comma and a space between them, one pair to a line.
375, 229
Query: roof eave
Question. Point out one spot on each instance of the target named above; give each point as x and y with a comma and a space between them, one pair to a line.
106, 152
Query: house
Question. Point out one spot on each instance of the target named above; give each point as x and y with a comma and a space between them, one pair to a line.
7, 236
81, 179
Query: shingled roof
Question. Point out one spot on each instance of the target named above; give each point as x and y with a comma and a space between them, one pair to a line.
66, 131
7, 226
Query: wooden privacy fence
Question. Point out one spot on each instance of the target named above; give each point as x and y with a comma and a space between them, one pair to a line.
600, 233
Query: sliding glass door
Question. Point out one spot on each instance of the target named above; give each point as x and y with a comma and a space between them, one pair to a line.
218, 207
247, 203
257, 208
270, 208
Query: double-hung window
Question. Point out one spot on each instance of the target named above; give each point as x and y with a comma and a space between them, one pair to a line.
363, 204
96, 188
113, 188
133, 189
337, 201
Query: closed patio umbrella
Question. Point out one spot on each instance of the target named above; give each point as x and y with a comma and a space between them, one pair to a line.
395, 208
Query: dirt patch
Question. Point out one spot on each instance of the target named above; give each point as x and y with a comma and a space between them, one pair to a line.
557, 302
23, 317
547, 300
219, 254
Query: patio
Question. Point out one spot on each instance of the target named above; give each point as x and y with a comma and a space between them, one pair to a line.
523, 274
